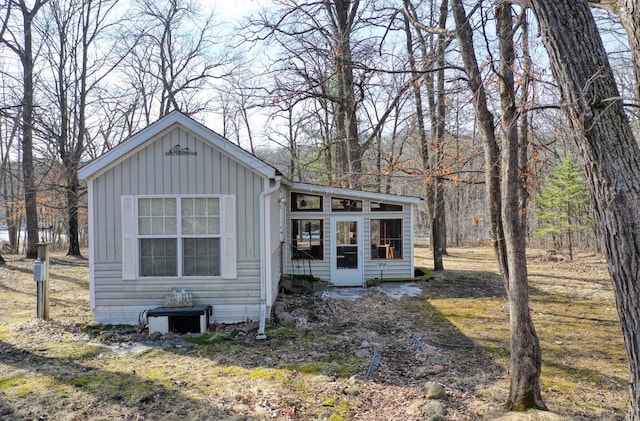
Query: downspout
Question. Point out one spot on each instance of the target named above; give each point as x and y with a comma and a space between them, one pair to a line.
92, 247
263, 258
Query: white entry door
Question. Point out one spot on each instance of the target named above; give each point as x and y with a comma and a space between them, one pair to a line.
346, 251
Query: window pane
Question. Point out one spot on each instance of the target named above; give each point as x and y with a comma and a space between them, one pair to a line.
340, 204
157, 207
201, 256
301, 202
213, 206
385, 207
386, 238
157, 226
200, 225
200, 206
202, 217
144, 207
171, 225
214, 225
375, 231
144, 226
187, 225
158, 257
307, 239
157, 216
187, 207
346, 232
170, 207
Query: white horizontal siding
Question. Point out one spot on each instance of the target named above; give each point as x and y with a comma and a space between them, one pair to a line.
117, 299
132, 315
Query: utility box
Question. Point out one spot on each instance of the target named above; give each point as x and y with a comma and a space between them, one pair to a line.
41, 276
40, 271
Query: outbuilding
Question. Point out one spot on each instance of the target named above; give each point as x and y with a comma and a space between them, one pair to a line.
177, 207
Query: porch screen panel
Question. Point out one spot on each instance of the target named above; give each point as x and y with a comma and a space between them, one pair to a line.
386, 238
307, 239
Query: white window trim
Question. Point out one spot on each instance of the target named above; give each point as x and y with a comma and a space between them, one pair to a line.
130, 237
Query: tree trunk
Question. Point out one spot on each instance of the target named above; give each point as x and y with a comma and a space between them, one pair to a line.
11, 189
350, 155
486, 126
439, 234
505, 205
437, 113
526, 359
424, 140
610, 155
72, 209
31, 210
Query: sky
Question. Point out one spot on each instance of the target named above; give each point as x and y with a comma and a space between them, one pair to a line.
233, 9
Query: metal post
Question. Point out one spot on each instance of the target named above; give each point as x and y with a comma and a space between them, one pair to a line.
42, 304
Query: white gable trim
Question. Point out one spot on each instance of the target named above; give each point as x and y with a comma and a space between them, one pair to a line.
123, 150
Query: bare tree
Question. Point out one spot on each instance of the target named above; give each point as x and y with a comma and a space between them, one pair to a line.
20, 41
318, 42
172, 59
75, 29
432, 66
506, 202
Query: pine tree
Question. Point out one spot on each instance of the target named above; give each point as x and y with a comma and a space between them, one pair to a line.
563, 205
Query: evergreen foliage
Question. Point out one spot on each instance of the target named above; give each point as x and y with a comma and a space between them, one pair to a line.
564, 203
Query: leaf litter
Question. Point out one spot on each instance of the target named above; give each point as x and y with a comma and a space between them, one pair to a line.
317, 365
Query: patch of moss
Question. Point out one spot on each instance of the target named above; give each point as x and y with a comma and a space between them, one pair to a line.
11, 382
344, 406
340, 406
422, 273
267, 374
210, 338
71, 350
312, 368
23, 386
84, 381
329, 401
345, 371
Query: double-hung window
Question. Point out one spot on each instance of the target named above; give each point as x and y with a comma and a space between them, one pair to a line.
179, 236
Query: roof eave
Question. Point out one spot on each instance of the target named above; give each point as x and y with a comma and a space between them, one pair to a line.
315, 188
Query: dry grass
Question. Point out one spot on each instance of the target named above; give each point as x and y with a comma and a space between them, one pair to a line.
584, 363
59, 370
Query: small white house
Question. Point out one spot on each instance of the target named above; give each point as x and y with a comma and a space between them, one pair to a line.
178, 207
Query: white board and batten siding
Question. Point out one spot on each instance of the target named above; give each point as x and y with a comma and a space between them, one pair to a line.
118, 294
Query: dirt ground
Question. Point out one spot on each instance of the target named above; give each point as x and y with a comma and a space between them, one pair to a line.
375, 357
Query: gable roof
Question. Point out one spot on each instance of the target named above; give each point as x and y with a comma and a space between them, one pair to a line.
171, 120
